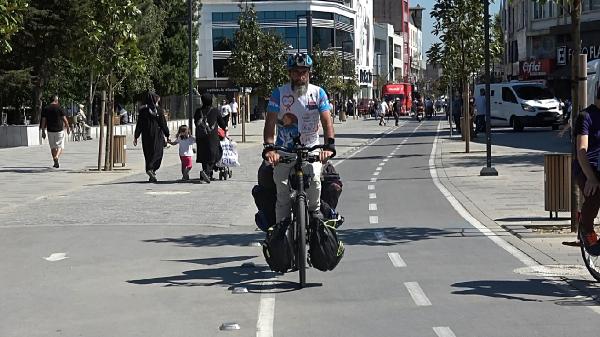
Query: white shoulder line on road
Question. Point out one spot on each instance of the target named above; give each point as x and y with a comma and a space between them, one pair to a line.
460, 209
367, 145
443, 331
417, 294
266, 315
397, 260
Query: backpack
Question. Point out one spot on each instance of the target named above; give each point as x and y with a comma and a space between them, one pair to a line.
265, 203
203, 129
331, 185
278, 249
325, 250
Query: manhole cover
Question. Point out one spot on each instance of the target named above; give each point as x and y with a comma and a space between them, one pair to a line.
557, 270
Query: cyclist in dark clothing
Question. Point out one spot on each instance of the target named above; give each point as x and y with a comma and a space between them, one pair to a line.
586, 172
152, 126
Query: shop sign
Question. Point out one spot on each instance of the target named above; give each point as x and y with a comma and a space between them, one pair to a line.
535, 68
365, 77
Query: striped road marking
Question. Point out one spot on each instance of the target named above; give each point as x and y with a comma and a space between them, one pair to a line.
373, 180
371, 187
376, 173
372, 195
372, 207
373, 219
443, 331
266, 313
417, 294
397, 260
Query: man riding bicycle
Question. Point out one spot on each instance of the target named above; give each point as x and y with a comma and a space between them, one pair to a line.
296, 108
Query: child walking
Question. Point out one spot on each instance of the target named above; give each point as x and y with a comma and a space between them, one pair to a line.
186, 150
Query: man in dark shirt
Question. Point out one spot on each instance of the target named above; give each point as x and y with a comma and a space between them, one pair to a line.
587, 172
54, 119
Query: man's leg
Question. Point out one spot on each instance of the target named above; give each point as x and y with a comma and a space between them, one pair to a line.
314, 190
283, 205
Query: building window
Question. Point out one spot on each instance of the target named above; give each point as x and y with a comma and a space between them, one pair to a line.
559, 7
219, 67
550, 9
397, 51
323, 37
223, 38
594, 5
539, 10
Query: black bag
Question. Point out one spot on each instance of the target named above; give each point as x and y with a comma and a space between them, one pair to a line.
331, 185
265, 200
278, 249
203, 129
325, 250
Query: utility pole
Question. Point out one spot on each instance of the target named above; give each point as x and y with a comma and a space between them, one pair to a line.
190, 70
488, 170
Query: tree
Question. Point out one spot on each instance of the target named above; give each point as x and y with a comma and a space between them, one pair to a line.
273, 72
497, 43
11, 21
243, 67
327, 68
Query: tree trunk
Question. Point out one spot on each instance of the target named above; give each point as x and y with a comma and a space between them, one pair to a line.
101, 122
577, 105
37, 102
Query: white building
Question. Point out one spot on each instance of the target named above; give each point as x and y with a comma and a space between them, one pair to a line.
388, 53
344, 24
417, 64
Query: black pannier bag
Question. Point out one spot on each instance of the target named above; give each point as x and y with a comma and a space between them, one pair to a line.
278, 249
325, 250
331, 185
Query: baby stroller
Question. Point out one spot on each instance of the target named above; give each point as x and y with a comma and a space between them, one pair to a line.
229, 157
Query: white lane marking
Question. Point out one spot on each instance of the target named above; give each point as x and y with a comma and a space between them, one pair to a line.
443, 331
417, 294
378, 168
397, 260
373, 180
376, 173
367, 145
390, 156
168, 193
56, 257
371, 187
372, 207
372, 195
382, 164
373, 219
266, 314
386, 159
380, 237
561, 283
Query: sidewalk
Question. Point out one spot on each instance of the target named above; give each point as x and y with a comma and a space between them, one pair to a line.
514, 200
27, 176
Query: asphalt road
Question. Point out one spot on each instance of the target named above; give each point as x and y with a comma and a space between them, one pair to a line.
163, 260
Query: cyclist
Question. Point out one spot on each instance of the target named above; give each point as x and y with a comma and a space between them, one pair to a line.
296, 108
587, 172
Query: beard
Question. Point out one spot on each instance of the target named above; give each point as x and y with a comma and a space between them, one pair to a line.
300, 88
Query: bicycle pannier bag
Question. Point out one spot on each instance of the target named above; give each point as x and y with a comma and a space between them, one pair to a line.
278, 249
325, 250
331, 185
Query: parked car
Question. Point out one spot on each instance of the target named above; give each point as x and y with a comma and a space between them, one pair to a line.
520, 104
364, 106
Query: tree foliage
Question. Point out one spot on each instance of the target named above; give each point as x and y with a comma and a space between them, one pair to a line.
327, 68
243, 67
459, 26
11, 21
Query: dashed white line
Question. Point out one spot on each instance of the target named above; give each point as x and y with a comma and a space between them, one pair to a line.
390, 156
378, 168
372, 207
371, 187
372, 195
443, 331
385, 160
373, 219
417, 294
376, 173
373, 180
382, 164
397, 260
266, 313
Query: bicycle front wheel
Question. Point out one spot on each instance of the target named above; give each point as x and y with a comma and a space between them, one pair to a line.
301, 223
592, 262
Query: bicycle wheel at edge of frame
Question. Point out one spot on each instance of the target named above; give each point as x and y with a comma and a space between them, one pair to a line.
301, 219
591, 262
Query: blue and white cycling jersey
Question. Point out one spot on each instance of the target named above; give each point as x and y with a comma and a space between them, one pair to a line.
306, 111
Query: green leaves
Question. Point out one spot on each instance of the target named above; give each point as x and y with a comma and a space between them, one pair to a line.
11, 21
327, 67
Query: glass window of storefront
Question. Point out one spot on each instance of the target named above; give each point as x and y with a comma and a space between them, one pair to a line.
323, 37
223, 38
219, 67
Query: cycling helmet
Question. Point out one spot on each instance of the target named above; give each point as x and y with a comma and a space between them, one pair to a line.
301, 60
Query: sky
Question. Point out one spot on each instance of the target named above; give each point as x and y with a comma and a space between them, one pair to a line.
428, 37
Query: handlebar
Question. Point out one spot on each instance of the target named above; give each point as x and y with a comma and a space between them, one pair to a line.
300, 152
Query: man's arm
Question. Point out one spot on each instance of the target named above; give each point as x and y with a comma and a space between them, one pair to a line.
43, 123
66, 122
269, 130
328, 132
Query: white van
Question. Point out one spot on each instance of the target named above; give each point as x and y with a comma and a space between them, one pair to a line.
520, 104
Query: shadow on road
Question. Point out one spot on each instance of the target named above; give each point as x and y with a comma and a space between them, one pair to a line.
539, 139
523, 290
215, 240
9, 169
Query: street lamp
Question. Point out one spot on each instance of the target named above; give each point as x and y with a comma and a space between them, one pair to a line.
488, 170
191, 68
308, 18
343, 111
378, 59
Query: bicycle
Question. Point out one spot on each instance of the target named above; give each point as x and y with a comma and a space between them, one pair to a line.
299, 227
592, 262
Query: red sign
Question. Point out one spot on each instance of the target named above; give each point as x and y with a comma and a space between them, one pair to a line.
393, 89
535, 68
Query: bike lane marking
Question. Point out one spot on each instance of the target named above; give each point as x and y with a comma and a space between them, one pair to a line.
443, 331
371, 187
373, 219
266, 315
372, 207
372, 195
397, 260
417, 294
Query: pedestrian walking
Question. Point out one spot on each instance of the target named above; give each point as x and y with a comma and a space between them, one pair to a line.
54, 119
186, 150
152, 126
457, 112
396, 110
381, 109
207, 120
225, 111
234, 112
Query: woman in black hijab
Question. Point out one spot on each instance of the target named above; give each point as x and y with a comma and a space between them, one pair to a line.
209, 145
152, 125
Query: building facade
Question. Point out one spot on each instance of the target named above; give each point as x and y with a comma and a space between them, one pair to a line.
537, 38
340, 24
388, 57
396, 13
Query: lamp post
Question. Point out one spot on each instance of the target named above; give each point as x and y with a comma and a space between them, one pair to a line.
378, 59
488, 170
343, 111
308, 18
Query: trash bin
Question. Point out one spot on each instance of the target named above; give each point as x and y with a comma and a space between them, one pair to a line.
119, 149
557, 183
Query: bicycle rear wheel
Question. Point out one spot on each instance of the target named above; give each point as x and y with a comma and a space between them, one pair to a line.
301, 223
592, 263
